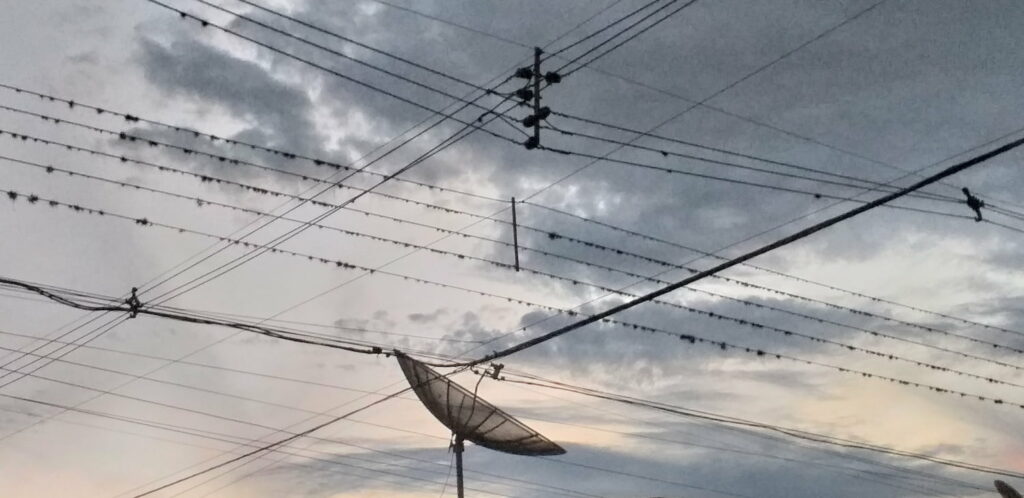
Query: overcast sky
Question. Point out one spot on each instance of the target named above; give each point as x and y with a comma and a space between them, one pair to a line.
877, 90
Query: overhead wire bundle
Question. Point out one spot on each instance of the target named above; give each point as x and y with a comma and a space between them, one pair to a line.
112, 304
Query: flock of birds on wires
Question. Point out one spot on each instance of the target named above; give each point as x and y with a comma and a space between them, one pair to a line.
508, 108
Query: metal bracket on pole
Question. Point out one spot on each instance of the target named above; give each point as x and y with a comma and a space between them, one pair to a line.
515, 233
539, 113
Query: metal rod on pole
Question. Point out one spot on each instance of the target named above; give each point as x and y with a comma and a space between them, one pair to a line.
515, 233
458, 465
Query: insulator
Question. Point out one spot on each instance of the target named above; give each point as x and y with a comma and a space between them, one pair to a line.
531, 143
524, 94
543, 113
524, 72
552, 77
530, 121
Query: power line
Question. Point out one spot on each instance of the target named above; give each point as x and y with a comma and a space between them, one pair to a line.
220, 417
569, 280
187, 386
228, 160
350, 175
612, 38
285, 335
603, 28
552, 235
202, 202
338, 74
248, 257
130, 119
901, 473
334, 34
665, 152
663, 169
414, 163
215, 139
337, 53
704, 103
386, 398
325, 440
796, 433
751, 254
214, 436
321, 162
256, 252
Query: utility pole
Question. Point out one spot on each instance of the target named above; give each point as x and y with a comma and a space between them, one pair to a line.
527, 94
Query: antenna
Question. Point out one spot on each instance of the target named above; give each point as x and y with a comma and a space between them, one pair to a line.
471, 418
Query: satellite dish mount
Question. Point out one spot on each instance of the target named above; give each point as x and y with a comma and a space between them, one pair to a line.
470, 418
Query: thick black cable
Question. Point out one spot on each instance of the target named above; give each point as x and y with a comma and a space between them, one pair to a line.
750, 255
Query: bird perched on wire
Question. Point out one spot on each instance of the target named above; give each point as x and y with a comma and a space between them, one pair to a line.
974, 203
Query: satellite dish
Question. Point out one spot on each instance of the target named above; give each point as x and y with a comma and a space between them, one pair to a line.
471, 418
1006, 491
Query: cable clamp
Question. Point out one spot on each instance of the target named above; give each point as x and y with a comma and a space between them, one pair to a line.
974, 203
134, 305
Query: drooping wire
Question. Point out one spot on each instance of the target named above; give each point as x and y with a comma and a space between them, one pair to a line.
752, 254
262, 190
742, 283
745, 322
276, 333
790, 432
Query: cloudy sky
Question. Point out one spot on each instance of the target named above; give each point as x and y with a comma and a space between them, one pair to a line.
855, 89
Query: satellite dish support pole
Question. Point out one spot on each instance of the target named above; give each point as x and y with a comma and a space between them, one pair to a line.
457, 448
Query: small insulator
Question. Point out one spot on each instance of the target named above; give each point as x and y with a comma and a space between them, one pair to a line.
531, 143
524, 94
544, 113
530, 121
524, 72
376, 350
552, 77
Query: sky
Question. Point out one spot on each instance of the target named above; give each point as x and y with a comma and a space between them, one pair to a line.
859, 89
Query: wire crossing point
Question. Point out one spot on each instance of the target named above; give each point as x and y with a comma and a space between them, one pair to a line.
134, 305
974, 203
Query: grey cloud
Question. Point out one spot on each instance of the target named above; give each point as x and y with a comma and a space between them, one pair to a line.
760, 468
